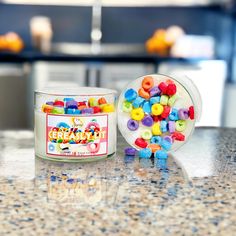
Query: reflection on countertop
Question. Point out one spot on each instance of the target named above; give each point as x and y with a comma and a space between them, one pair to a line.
122, 195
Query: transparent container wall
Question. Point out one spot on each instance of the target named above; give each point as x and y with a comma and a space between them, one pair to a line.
71, 127
187, 94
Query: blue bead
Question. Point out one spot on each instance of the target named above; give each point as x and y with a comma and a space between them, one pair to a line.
161, 154
147, 107
154, 100
130, 95
165, 145
164, 126
174, 114
156, 139
68, 99
145, 153
138, 102
73, 111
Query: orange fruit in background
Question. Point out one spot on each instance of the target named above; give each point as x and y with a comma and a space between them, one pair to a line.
12, 42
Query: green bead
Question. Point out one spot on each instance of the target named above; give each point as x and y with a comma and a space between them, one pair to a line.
172, 100
146, 134
58, 110
164, 99
93, 102
127, 106
180, 125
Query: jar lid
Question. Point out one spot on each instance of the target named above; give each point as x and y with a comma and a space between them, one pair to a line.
155, 107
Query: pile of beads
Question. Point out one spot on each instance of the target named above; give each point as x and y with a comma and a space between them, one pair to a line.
73, 107
158, 114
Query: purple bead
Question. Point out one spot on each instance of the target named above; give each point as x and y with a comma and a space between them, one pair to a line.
154, 91
171, 126
147, 121
183, 114
87, 111
49, 103
72, 104
168, 139
132, 125
129, 151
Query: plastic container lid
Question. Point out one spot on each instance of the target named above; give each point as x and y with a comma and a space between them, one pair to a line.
188, 95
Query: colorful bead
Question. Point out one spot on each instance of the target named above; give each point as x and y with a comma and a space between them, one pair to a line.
174, 114
161, 154
68, 99
183, 114
180, 125
92, 102
102, 100
144, 94
155, 100
147, 107
58, 103
96, 109
72, 111
156, 130
137, 114
157, 109
163, 124
47, 108
164, 99
168, 138
156, 118
58, 110
156, 139
138, 102
72, 104
141, 143
129, 151
147, 83
178, 136
132, 125
171, 89
163, 87
108, 108
154, 147
154, 91
165, 112
172, 100
146, 134
145, 153
87, 111
191, 113
127, 106
165, 145
147, 121
171, 126
49, 103
130, 95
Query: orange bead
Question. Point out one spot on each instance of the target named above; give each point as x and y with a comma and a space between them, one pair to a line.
154, 147
144, 94
147, 83
102, 100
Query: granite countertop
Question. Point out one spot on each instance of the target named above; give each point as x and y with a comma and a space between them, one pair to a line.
192, 194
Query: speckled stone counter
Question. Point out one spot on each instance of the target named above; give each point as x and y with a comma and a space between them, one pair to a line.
192, 194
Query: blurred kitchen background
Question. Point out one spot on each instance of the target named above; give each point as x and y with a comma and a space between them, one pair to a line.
108, 43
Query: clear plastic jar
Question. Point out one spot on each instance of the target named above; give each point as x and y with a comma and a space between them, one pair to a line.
75, 124
187, 95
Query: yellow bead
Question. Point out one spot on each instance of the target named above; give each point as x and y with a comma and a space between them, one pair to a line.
92, 102
156, 129
137, 114
157, 109
108, 108
146, 134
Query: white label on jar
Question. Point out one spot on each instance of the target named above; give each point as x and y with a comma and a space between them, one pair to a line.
77, 136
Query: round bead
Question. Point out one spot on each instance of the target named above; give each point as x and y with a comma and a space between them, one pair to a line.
146, 134
144, 94
87, 111
171, 126
157, 109
183, 114
168, 138
108, 108
58, 110
47, 108
145, 153
138, 102
161, 154
72, 104
154, 100
147, 107
147, 83
164, 100
174, 114
156, 139
49, 103
72, 111
163, 87
132, 125
165, 145
130, 95
178, 136
191, 113
180, 125
154, 91
140, 143
164, 126
92, 102
58, 103
137, 114
171, 89
147, 121
172, 100
165, 112
127, 106
68, 99
156, 130
96, 109
102, 100
154, 147
129, 151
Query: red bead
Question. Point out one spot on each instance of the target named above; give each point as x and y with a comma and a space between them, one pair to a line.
191, 112
58, 103
141, 143
163, 87
178, 136
156, 118
165, 112
171, 89
96, 109
82, 104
